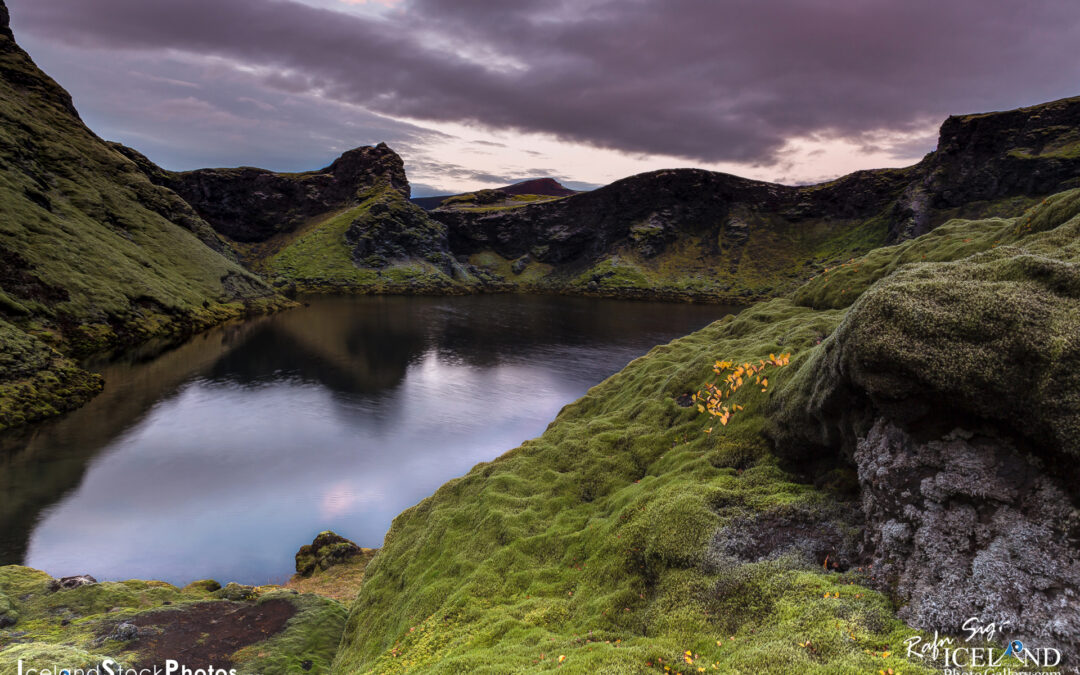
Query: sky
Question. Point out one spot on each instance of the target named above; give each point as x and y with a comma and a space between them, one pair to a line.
481, 93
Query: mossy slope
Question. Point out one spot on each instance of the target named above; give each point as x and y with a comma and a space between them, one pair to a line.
618, 538
92, 254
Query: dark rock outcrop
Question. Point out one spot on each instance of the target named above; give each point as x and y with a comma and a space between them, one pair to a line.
250, 205
1028, 151
67, 583
391, 229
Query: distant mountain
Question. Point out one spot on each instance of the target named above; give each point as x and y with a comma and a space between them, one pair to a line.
548, 187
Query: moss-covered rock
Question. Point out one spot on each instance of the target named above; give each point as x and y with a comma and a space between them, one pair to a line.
326, 550
990, 338
952, 387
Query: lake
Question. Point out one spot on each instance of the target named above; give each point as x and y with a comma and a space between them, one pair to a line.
222, 456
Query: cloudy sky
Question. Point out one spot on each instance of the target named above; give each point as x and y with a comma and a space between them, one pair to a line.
476, 93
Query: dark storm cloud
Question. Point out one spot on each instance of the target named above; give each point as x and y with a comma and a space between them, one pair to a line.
702, 79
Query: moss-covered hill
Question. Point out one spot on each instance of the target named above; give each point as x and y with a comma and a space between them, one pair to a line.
92, 254
922, 459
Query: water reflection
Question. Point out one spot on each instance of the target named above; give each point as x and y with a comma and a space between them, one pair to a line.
219, 458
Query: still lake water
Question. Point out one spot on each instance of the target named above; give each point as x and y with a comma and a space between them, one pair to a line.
221, 457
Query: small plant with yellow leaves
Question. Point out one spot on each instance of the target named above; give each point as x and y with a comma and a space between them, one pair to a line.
714, 399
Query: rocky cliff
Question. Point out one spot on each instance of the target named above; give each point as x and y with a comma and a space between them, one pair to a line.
252, 205
92, 254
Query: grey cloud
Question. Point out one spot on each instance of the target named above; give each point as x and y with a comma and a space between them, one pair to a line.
704, 80
228, 120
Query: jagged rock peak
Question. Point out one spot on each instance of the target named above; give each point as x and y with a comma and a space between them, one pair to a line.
251, 204
370, 161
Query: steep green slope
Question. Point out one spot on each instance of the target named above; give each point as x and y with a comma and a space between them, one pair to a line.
627, 538
92, 255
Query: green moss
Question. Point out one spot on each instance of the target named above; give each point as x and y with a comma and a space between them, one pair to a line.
52, 657
988, 305
321, 257
307, 644
94, 255
611, 274
593, 541
599, 528
65, 627
842, 284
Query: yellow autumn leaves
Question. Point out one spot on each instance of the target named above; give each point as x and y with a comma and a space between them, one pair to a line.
714, 399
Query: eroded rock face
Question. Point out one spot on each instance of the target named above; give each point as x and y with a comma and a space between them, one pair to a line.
968, 526
251, 205
1023, 151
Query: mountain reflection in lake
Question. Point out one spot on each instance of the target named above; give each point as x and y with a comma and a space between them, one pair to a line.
221, 457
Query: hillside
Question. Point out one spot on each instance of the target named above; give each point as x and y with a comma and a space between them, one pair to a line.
886, 482
93, 256
882, 447
539, 187
892, 474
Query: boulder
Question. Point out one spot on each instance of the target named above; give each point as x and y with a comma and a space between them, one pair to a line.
67, 583
328, 549
236, 592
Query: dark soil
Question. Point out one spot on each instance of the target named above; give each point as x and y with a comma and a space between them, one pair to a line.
207, 633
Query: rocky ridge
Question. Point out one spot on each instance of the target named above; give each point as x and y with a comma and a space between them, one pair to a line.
679, 233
